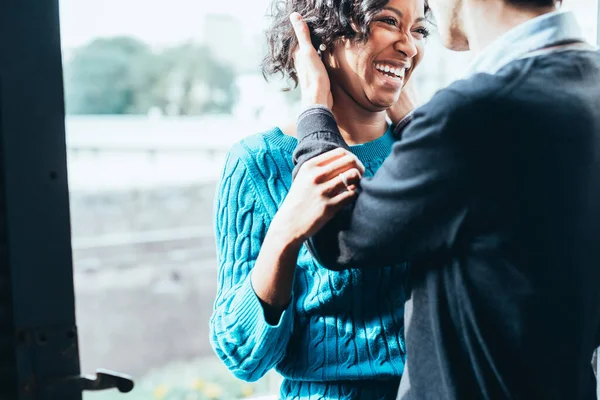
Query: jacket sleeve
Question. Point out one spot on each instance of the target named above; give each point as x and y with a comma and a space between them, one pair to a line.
415, 202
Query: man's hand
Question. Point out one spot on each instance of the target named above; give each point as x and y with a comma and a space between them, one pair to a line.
312, 74
408, 101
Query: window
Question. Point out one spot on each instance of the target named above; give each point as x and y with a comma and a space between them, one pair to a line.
156, 93
588, 14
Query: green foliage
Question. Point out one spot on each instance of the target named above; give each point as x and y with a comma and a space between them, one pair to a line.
123, 76
100, 77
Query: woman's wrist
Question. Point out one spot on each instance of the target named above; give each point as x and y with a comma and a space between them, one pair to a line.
283, 233
273, 273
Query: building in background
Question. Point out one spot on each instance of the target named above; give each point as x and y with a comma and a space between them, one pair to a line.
229, 42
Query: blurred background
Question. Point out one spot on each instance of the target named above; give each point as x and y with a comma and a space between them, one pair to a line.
156, 93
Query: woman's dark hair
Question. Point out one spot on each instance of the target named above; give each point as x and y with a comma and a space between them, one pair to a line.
328, 20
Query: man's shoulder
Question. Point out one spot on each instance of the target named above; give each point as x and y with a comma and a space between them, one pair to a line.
473, 98
464, 107
526, 82
465, 93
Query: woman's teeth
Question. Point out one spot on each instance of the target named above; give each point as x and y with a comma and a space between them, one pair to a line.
390, 70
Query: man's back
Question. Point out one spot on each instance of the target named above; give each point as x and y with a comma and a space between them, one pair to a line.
512, 309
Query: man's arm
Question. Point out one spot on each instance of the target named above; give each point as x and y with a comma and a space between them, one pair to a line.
415, 202
324, 135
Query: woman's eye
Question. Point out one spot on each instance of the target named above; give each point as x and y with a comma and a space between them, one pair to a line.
423, 32
389, 21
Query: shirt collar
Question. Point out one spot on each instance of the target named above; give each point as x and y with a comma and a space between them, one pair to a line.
546, 30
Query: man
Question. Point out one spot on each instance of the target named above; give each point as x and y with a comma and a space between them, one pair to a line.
493, 196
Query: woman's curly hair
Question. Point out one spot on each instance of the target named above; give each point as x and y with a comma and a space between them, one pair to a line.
328, 20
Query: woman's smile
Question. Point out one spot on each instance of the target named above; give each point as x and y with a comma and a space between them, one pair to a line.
391, 74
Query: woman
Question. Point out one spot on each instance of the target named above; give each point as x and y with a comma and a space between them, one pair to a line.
331, 335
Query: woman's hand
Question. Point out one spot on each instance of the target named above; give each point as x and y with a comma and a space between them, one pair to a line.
312, 74
408, 101
322, 187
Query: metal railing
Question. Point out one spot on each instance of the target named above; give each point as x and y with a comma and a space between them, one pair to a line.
143, 237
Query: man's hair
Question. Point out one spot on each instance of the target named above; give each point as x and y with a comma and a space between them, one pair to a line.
328, 21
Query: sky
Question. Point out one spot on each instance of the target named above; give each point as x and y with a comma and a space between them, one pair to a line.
157, 22
162, 22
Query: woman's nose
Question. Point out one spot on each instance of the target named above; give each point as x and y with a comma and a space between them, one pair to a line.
406, 45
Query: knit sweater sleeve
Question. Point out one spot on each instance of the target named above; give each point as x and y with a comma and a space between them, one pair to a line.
240, 335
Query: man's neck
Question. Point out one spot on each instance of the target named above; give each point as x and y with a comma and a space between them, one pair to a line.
356, 124
486, 21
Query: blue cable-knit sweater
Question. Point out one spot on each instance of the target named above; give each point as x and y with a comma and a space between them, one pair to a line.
341, 337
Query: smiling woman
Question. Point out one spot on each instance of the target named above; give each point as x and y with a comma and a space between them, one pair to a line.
360, 42
331, 335
396, 41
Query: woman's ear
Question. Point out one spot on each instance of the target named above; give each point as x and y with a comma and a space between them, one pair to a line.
354, 26
328, 57
321, 49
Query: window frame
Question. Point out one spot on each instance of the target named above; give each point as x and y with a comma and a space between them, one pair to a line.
34, 194
35, 205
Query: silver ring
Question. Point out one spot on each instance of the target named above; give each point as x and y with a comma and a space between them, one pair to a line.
345, 180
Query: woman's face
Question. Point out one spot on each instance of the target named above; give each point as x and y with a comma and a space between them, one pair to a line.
373, 73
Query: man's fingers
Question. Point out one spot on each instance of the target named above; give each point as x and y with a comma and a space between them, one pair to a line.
301, 30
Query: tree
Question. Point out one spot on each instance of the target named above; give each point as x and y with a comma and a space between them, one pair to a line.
193, 82
122, 76
103, 76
